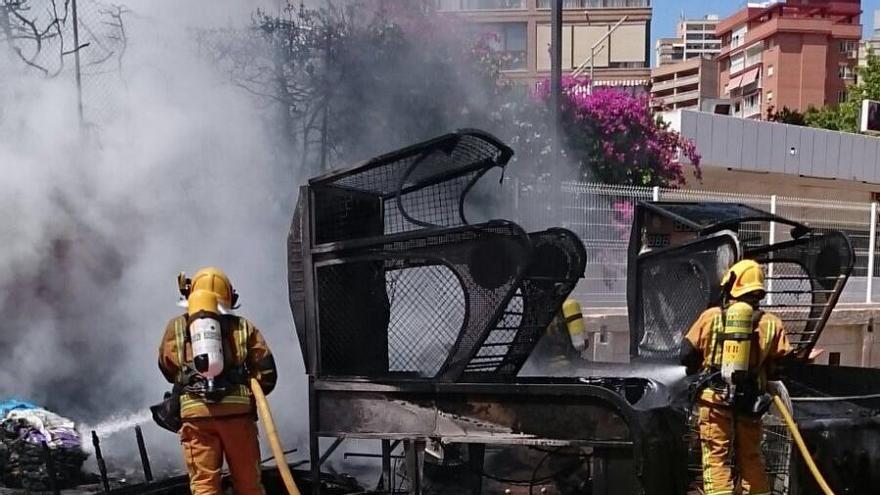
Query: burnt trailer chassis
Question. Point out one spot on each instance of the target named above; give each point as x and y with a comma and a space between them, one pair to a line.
414, 323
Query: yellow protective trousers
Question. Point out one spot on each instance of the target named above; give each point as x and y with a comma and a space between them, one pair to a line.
206, 441
716, 430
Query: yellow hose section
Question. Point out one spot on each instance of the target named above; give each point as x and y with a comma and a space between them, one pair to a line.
796, 434
277, 450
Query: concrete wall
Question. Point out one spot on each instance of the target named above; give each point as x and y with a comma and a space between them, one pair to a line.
851, 332
768, 147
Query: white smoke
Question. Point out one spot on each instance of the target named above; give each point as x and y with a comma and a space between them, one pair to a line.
97, 221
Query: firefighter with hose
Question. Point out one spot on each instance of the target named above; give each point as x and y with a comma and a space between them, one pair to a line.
736, 347
220, 367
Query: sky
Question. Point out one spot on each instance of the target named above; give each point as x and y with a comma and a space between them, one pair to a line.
667, 13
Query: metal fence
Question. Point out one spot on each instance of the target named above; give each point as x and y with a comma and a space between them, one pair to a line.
601, 215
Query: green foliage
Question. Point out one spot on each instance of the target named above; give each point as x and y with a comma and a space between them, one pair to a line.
786, 116
845, 116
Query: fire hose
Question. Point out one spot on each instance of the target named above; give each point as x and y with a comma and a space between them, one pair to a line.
796, 435
272, 434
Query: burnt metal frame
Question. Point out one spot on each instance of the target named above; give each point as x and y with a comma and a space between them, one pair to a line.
635, 245
369, 395
839, 283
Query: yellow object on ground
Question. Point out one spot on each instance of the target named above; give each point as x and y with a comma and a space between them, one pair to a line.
799, 441
574, 323
274, 442
203, 442
716, 434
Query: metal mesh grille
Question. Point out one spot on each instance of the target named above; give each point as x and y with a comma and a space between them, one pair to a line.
426, 162
427, 313
437, 204
353, 310
675, 287
776, 445
558, 263
805, 279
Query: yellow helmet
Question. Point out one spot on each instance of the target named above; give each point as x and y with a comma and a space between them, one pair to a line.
743, 277
202, 301
214, 280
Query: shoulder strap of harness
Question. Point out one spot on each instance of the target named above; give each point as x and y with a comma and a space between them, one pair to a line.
180, 343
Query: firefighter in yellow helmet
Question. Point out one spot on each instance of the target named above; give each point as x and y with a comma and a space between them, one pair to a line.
209, 354
736, 345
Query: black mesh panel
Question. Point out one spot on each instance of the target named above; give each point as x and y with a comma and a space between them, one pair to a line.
427, 313
675, 286
806, 279
353, 312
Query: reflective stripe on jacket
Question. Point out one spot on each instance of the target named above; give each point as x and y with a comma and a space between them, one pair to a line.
772, 342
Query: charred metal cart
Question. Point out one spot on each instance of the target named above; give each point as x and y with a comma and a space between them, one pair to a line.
414, 322
678, 253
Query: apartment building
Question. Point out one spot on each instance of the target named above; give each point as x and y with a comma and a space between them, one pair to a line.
792, 54
522, 28
683, 85
668, 51
694, 38
872, 43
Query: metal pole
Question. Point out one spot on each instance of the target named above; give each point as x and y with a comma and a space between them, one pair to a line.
145, 459
556, 75
79, 96
871, 247
772, 241
99, 458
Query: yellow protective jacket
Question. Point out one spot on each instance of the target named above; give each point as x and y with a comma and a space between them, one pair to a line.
772, 345
242, 344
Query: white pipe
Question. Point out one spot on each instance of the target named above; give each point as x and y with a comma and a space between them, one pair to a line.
871, 247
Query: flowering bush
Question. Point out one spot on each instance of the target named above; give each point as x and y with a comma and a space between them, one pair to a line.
613, 138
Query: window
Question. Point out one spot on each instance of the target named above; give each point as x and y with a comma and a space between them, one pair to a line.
769, 95
739, 36
847, 46
751, 104
845, 72
596, 4
753, 54
841, 97
737, 63
508, 38
769, 71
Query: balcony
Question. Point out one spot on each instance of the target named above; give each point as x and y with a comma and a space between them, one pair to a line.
687, 95
663, 85
598, 4
470, 5
683, 81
